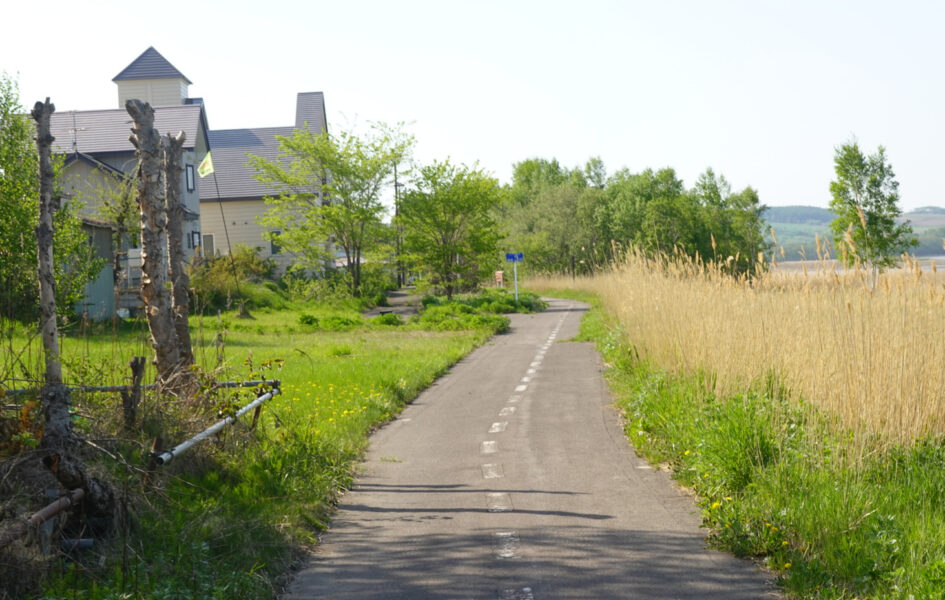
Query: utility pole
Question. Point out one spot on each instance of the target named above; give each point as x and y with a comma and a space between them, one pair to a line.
398, 233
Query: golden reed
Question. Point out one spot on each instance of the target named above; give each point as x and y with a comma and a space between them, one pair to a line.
866, 349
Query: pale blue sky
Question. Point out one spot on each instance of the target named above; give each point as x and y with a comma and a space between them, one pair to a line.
760, 91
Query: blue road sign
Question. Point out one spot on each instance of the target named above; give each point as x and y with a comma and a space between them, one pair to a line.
514, 257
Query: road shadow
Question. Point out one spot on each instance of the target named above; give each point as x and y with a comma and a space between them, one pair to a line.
567, 562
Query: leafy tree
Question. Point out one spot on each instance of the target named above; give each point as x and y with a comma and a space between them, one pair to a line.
732, 222
533, 174
595, 172
549, 214
449, 224
74, 259
331, 192
865, 198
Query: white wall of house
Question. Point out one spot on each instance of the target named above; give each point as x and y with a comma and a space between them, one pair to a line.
159, 92
241, 225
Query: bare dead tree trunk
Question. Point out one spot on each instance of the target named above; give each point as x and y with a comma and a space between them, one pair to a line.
57, 433
180, 302
154, 290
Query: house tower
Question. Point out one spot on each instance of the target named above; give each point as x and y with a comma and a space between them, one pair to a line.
151, 78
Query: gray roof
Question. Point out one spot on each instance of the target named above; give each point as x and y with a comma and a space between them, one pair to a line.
150, 65
231, 147
310, 108
96, 131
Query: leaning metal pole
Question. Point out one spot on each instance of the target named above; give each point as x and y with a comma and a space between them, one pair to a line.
162, 458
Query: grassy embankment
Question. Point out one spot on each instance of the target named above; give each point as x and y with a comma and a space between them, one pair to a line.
226, 520
805, 410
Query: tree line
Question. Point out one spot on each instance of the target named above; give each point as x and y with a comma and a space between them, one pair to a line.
452, 221
580, 219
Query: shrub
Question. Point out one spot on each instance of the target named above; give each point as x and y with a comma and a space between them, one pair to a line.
459, 317
220, 282
493, 301
339, 323
392, 319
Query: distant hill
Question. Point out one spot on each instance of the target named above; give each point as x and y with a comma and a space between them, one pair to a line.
798, 215
797, 228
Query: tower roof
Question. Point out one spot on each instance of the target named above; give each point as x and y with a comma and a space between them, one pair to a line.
150, 65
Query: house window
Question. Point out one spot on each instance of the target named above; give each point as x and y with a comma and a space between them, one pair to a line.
190, 178
208, 244
274, 248
194, 239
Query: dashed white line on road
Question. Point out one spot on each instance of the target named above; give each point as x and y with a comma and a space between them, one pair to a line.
505, 544
526, 379
524, 593
531, 371
514, 398
521, 388
489, 447
498, 502
507, 411
498, 427
492, 471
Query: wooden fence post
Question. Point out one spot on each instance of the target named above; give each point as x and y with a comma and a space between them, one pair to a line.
131, 399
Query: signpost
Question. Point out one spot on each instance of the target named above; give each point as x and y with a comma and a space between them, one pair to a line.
515, 258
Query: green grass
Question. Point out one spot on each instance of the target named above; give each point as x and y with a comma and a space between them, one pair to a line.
226, 520
774, 482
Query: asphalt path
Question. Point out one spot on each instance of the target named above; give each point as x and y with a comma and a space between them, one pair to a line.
510, 479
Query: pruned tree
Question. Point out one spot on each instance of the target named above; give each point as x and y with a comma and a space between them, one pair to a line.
59, 439
180, 301
154, 289
57, 433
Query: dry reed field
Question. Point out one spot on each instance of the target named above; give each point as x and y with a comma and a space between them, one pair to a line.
869, 353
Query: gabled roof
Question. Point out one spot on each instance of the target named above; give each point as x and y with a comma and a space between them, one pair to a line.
231, 149
96, 131
150, 65
91, 160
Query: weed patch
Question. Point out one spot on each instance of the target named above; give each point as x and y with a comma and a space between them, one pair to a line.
228, 520
778, 481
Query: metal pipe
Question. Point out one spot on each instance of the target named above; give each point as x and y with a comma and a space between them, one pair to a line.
41, 516
167, 456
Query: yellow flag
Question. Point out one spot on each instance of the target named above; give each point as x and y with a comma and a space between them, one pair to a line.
206, 166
